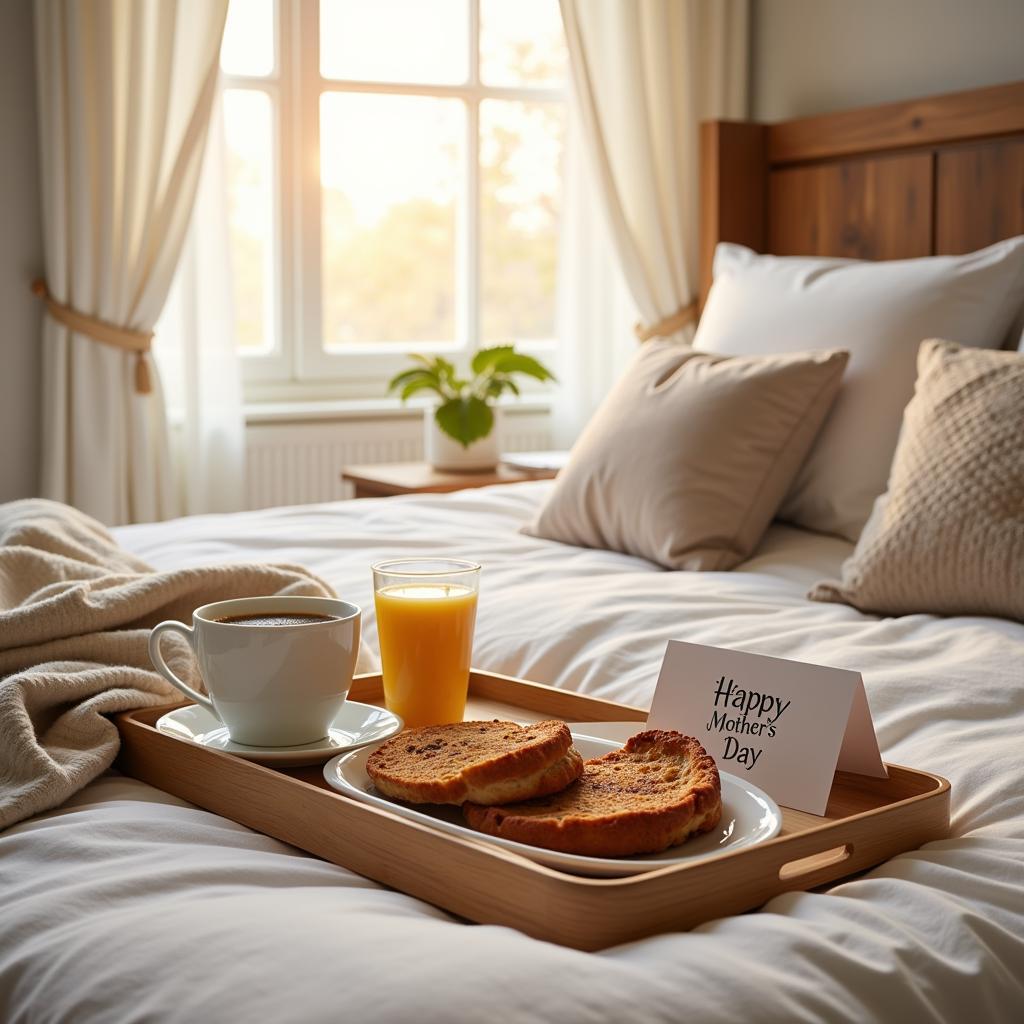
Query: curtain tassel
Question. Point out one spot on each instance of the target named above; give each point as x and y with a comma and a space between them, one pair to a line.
143, 380
681, 318
124, 338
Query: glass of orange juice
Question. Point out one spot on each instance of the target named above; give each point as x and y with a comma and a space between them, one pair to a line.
426, 611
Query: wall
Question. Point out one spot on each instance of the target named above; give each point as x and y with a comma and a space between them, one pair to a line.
21, 254
816, 56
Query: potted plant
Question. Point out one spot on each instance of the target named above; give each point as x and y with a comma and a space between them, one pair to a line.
460, 428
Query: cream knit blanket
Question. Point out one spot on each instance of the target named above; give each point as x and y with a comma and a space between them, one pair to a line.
75, 616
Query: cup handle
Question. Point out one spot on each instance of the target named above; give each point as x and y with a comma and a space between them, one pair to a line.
171, 626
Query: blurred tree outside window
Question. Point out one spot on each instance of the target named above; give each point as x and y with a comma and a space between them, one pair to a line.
406, 193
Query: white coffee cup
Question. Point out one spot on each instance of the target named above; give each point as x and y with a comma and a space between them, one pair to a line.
271, 685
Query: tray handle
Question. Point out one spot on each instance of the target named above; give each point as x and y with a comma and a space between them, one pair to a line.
802, 870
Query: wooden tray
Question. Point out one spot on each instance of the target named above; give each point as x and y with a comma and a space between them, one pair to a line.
867, 822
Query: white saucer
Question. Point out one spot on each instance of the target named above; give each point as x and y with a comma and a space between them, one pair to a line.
356, 726
749, 816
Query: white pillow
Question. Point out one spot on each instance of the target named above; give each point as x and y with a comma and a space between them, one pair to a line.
880, 313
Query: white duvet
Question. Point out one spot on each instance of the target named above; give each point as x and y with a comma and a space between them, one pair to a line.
129, 905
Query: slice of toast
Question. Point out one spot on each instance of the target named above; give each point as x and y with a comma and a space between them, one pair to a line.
658, 790
487, 762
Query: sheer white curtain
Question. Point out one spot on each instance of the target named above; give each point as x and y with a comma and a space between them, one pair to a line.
125, 92
645, 73
595, 310
195, 349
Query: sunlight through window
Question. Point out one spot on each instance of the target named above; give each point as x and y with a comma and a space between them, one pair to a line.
403, 192
389, 217
423, 41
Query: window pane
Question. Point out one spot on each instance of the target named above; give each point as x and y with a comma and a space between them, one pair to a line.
248, 45
521, 43
248, 127
391, 168
520, 187
395, 40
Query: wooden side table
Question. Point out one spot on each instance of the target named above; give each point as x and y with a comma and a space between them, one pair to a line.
386, 478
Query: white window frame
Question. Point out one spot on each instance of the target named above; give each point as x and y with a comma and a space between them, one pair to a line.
298, 367
275, 365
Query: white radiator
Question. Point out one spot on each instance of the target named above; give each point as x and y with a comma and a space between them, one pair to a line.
300, 463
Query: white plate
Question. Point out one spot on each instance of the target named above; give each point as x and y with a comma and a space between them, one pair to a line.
356, 726
749, 816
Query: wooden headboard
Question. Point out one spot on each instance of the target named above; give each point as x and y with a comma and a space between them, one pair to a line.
938, 175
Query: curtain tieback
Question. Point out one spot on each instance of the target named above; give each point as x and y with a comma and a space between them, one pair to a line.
139, 342
670, 324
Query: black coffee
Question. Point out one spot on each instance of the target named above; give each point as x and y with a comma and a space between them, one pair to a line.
278, 619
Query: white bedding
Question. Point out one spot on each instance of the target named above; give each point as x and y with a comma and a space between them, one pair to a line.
127, 904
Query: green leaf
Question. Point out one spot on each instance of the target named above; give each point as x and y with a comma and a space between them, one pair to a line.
424, 384
442, 367
411, 381
407, 376
447, 375
433, 373
485, 359
498, 385
517, 362
465, 419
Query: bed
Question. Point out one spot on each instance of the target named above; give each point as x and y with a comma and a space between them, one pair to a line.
127, 904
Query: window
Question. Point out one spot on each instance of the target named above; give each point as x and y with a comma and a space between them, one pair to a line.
394, 176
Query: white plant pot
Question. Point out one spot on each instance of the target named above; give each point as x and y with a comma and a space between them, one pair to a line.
445, 453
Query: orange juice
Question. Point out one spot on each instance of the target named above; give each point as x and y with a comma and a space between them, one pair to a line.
426, 641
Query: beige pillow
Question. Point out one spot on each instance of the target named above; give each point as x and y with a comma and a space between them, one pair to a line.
948, 535
880, 313
689, 456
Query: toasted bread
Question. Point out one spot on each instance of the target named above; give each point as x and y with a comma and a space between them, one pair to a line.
658, 790
487, 762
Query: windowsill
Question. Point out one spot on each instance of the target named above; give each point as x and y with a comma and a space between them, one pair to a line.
298, 411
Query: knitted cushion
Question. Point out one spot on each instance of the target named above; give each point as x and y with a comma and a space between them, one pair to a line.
948, 535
